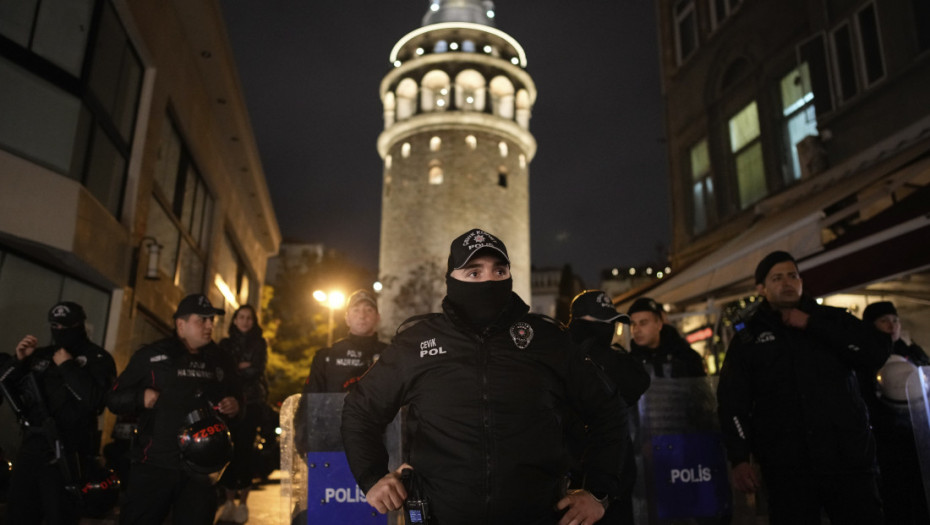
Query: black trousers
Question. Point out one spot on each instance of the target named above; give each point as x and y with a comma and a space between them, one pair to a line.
156, 491
37, 489
798, 498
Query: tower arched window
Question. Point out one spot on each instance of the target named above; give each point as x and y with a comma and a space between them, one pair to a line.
441, 47
523, 108
435, 95
502, 97
406, 98
405, 150
435, 143
472, 142
435, 172
468, 46
470, 91
502, 147
390, 109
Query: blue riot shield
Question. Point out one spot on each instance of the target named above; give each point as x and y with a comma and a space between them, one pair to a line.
681, 461
318, 483
918, 401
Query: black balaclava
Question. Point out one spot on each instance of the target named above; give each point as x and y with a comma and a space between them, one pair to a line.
480, 303
69, 338
582, 330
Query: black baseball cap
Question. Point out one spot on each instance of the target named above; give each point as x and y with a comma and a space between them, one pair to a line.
645, 304
196, 304
596, 304
362, 295
770, 260
879, 309
465, 246
67, 313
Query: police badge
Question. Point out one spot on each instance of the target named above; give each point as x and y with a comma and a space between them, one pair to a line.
522, 334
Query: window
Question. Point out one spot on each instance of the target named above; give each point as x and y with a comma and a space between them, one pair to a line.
435, 143
870, 45
69, 103
857, 53
502, 178
921, 20
28, 290
702, 187
797, 101
722, 9
233, 279
180, 212
686, 37
845, 62
813, 54
435, 172
746, 147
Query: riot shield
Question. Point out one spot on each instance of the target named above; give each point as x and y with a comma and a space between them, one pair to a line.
318, 486
681, 461
918, 402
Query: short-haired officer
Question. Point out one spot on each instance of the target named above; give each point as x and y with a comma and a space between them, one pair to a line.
168, 384
659, 346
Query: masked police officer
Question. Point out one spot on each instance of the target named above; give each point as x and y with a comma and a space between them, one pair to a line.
172, 384
57, 392
486, 385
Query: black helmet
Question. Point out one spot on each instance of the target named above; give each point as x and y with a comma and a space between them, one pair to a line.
100, 493
205, 443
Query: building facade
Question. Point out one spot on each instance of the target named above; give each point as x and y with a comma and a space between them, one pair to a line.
802, 126
129, 172
456, 148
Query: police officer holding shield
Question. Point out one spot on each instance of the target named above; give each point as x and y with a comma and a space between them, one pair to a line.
183, 388
57, 392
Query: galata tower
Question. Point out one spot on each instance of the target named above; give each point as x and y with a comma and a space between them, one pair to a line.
456, 148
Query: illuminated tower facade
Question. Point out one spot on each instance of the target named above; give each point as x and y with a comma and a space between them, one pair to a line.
456, 147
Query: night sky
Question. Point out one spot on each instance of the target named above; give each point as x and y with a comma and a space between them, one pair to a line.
311, 70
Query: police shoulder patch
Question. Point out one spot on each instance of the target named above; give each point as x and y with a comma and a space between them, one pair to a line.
414, 320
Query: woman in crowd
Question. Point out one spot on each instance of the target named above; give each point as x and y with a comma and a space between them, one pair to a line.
249, 350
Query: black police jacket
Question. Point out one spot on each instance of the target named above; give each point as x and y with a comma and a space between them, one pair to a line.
337, 368
674, 357
485, 414
791, 396
71, 393
185, 381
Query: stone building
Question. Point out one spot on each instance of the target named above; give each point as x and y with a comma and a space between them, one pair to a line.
456, 147
802, 126
129, 174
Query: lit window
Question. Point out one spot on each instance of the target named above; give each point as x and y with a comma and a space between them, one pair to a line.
435, 143
405, 150
435, 172
522, 161
472, 142
797, 102
702, 186
502, 147
746, 146
388, 161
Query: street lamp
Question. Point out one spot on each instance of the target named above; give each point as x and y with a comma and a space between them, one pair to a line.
333, 300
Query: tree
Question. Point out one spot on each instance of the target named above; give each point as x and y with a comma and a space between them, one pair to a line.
295, 325
419, 292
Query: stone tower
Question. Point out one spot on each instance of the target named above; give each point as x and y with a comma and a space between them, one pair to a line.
456, 148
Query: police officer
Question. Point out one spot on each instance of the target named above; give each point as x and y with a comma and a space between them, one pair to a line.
901, 482
486, 383
170, 384
57, 391
788, 395
658, 345
335, 369
592, 326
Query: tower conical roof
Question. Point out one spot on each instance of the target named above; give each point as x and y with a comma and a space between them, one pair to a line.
471, 11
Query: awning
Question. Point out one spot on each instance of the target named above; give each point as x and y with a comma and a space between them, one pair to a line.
896, 247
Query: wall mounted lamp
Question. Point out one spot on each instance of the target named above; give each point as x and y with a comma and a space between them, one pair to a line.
153, 250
